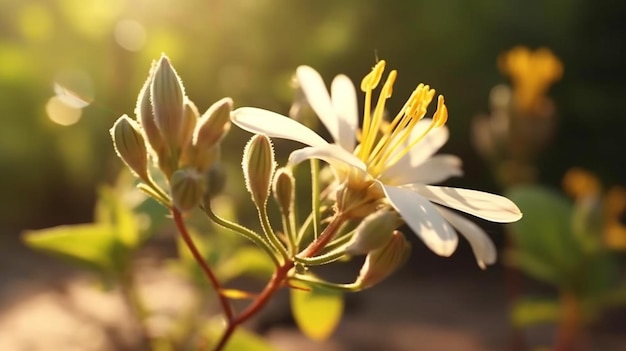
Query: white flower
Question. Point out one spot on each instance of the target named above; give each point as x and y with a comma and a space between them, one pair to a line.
392, 161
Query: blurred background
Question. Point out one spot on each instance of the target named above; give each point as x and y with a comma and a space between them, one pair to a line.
53, 155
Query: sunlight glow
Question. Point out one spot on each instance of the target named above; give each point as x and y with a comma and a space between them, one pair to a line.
130, 35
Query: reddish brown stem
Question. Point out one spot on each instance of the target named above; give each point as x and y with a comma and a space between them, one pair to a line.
180, 224
278, 280
569, 327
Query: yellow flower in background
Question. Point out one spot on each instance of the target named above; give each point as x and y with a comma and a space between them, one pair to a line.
614, 210
583, 185
532, 73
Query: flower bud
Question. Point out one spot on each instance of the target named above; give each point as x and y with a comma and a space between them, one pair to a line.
373, 232
213, 124
168, 94
380, 263
187, 187
145, 115
190, 119
283, 189
130, 145
258, 167
215, 181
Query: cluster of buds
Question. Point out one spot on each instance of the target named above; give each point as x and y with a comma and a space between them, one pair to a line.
169, 130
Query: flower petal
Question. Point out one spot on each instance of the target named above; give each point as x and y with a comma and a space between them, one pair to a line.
422, 217
274, 125
331, 153
434, 170
344, 100
431, 143
483, 247
488, 206
314, 89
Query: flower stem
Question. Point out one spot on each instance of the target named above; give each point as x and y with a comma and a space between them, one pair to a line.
180, 224
278, 280
247, 233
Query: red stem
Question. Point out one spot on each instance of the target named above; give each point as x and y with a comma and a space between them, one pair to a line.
180, 224
277, 281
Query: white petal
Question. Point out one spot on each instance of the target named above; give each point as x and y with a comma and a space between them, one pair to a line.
483, 247
314, 89
274, 125
434, 170
344, 100
422, 217
488, 206
431, 143
330, 153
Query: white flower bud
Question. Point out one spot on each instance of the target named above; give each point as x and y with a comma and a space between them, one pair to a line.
380, 263
168, 94
373, 232
187, 187
130, 145
258, 168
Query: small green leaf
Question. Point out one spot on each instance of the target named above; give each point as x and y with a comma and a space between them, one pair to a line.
317, 312
93, 245
528, 312
545, 233
111, 210
249, 261
240, 340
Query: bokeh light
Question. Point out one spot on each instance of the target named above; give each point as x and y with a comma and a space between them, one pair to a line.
131, 35
61, 113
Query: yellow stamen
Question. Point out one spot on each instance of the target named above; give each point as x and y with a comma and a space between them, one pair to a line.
379, 112
380, 152
371, 80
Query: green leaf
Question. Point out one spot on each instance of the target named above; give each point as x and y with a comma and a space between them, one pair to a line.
249, 260
92, 245
545, 233
111, 210
527, 312
317, 312
240, 340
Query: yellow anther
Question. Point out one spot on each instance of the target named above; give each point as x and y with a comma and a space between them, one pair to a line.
441, 115
387, 89
371, 80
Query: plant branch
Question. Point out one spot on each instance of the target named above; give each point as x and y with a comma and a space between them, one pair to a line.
180, 224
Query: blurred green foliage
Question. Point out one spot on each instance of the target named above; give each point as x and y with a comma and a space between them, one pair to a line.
561, 244
248, 50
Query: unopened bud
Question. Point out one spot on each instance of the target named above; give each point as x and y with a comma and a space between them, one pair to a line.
258, 167
283, 189
145, 115
215, 181
167, 101
380, 263
187, 187
190, 119
373, 232
130, 145
214, 124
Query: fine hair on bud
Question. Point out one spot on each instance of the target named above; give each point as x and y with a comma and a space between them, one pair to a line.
283, 188
187, 187
145, 116
167, 95
214, 124
130, 146
258, 168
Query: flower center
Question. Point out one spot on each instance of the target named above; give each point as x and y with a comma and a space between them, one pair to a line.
384, 143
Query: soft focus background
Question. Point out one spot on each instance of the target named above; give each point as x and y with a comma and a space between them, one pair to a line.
52, 157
